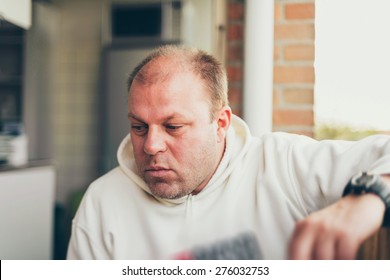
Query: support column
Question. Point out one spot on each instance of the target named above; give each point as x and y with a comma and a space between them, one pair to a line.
258, 65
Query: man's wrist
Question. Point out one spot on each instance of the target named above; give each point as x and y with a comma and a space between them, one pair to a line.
372, 184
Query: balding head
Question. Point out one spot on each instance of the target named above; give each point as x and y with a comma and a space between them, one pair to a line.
166, 61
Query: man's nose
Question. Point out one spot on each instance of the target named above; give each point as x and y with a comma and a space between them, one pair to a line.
154, 141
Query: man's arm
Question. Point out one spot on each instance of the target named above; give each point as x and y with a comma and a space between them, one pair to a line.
337, 231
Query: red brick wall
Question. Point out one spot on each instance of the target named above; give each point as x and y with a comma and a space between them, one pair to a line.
293, 63
235, 57
293, 66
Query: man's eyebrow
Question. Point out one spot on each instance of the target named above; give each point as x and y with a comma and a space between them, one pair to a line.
169, 118
174, 116
132, 116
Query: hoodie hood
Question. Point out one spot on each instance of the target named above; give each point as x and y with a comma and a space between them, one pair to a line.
237, 145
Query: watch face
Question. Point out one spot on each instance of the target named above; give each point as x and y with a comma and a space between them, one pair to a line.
363, 180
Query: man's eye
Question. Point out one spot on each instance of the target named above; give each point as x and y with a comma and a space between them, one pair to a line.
173, 127
139, 129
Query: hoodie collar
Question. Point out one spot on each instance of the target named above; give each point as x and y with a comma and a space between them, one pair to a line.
237, 142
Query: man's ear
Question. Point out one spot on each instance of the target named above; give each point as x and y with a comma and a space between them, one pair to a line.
223, 122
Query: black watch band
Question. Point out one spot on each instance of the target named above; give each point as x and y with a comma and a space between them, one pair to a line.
371, 183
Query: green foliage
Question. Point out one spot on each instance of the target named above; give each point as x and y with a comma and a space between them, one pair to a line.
342, 132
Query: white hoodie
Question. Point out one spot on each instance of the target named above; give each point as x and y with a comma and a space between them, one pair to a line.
260, 189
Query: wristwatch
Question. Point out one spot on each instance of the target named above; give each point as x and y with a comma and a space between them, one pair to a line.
370, 183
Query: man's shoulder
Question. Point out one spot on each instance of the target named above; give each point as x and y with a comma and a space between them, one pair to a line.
113, 174
284, 139
113, 181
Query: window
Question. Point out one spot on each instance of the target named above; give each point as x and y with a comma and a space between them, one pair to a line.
352, 63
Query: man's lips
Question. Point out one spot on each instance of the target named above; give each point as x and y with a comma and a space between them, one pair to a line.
157, 171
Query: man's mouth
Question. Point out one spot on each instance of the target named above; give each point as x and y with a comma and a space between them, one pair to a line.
157, 171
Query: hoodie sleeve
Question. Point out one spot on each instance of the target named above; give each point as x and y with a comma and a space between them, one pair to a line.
321, 169
83, 247
88, 240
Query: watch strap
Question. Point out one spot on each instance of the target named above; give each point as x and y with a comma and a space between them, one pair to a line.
378, 187
381, 189
386, 219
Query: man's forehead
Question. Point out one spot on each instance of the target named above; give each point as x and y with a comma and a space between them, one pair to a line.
161, 69
181, 87
169, 82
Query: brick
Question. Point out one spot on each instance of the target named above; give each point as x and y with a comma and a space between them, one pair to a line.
235, 32
235, 52
234, 73
278, 11
293, 117
299, 52
276, 53
294, 31
294, 74
236, 11
275, 98
237, 111
294, 35
235, 97
299, 96
300, 11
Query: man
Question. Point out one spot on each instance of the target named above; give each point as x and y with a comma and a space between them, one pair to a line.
193, 183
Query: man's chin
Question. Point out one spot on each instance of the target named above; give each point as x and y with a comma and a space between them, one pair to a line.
166, 191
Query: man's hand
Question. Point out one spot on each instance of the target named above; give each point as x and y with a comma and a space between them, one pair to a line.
337, 231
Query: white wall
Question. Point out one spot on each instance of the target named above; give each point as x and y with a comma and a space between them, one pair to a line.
17, 12
26, 213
